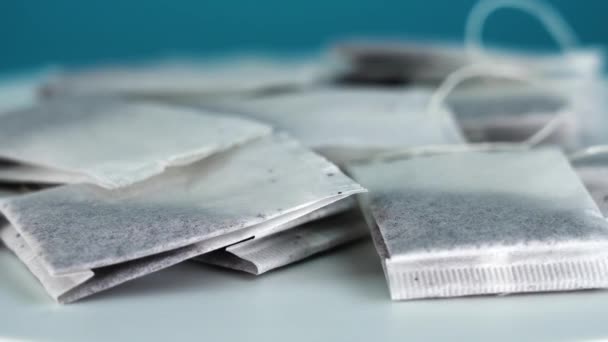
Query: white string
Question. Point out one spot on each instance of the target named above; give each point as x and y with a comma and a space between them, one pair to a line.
589, 151
457, 77
547, 14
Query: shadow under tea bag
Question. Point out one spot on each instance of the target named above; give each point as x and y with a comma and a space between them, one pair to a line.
592, 167
261, 255
105, 237
185, 78
112, 143
345, 124
484, 222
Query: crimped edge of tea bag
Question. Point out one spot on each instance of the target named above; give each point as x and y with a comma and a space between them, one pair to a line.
259, 256
535, 268
70, 287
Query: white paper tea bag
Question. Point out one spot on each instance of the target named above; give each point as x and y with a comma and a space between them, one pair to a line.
189, 78
515, 113
540, 112
111, 236
484, 222
259, 256
592, 167
411, 63
415, 62
112, 143
345, 124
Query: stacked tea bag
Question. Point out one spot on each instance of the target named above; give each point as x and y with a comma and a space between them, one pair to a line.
403, 63
342, 124
154, 164
346, 124
111, 143
258, 256
497, 110
491, 111
198, 183
496, 218
473, 221
181, 79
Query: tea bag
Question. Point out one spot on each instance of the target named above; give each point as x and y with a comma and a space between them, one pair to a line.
345, 124
513, 114
112, 143
412, 63
261, 255
110, 236
483, 221
539, 113
184, 78
415, 62
592, 167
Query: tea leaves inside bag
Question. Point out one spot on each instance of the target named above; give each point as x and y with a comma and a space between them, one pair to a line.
482, 222
187, 211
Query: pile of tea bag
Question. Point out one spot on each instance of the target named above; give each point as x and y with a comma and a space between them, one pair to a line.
473, 172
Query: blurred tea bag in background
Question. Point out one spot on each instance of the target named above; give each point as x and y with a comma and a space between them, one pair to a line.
259, 256
21, 90
537, 112
507, 113
345, 124
411, 63
592, 167
513, 113
485, 220
104, 237
414, 62
492, 109
187, 78
112, 143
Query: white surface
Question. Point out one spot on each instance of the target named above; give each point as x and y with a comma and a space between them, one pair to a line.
339, 296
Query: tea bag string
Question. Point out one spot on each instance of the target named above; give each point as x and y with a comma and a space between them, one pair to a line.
588, 152
435, 105
553, 22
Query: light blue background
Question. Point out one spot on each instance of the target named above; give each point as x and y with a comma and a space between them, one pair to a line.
76, 32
